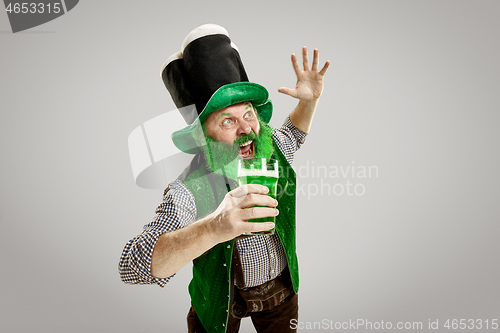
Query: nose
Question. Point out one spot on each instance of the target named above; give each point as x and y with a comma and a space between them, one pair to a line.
243, 128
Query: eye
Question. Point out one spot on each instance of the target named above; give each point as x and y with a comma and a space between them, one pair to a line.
248, 115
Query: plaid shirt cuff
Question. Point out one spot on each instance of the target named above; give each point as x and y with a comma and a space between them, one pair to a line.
289, 139
135, 264
298, 134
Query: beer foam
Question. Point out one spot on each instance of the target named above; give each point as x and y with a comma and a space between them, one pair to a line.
257, 172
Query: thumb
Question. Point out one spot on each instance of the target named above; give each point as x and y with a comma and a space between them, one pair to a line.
287, 91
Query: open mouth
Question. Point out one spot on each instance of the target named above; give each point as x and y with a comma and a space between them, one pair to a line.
247, 149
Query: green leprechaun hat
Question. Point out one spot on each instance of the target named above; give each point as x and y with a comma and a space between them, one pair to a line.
208, 73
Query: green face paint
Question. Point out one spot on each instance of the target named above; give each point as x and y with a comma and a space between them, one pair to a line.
222, 157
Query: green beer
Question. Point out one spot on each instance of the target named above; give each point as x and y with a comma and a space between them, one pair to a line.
262, 173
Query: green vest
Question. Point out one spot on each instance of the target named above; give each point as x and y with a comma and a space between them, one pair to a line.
211, 286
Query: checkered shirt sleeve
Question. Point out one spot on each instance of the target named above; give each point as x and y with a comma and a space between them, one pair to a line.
177, 210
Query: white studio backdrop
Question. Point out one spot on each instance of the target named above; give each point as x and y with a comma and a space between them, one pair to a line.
398, 215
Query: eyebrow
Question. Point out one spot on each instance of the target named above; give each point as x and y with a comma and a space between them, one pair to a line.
224, 114
249, 107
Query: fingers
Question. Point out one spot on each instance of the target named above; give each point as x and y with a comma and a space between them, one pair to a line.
243, 190
325, 68
295, 65
305, 58
258, 226
257, 200
257, 213
305, 63
315, 60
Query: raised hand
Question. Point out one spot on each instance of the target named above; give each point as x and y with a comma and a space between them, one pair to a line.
309, 81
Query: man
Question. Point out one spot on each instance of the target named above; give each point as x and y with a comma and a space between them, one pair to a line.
204, 213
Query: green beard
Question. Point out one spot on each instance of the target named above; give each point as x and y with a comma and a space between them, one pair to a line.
222, 157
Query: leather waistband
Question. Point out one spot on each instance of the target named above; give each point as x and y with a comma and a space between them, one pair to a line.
259, 298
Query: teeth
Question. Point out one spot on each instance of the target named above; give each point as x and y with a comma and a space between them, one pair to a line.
246, 143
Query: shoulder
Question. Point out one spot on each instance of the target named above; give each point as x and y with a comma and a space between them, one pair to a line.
178, 193
177, 198
176, 188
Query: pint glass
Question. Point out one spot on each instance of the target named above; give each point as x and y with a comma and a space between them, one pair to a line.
263, 172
